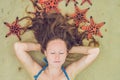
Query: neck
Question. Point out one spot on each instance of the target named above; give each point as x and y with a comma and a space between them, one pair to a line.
53, 71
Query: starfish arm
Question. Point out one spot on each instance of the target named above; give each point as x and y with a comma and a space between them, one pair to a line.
100, 24
17, 19
7, 24
77, 23
89, 36
18, 37
99, 34
91, 20
85, 20
83, 1
15, 22
89, 2
75, 2
8, 34
67, 2
77, 9
85, 10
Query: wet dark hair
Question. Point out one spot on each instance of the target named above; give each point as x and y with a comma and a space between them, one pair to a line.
53, 26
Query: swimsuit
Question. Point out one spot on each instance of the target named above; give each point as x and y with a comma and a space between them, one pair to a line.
38, 74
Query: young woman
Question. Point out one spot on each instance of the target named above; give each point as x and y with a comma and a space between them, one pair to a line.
56, 43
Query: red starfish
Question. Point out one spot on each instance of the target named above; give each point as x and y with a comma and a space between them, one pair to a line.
93, 29
38, 10
79, 16
42, 1
50, 5
14, 28
83, 1
75, 2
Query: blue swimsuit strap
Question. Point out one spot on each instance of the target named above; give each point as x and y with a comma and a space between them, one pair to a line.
63, 69
36, 76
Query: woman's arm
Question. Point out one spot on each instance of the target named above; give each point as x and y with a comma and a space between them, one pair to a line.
80, 49
90, 56
22, 54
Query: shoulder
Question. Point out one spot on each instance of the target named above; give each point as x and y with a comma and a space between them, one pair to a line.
70, 70
36, 68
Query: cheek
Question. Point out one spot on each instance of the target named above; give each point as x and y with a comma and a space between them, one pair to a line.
63, 57
50, 58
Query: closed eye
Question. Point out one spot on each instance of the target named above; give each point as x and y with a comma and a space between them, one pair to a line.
61, 53
52, 53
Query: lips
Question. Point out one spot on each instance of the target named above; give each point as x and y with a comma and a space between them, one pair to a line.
56, 61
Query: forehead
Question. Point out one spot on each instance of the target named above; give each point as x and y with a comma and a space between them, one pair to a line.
56, 44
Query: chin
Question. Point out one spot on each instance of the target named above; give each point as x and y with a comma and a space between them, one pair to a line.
57, 64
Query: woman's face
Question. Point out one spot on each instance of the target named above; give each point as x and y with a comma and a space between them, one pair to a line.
56, 52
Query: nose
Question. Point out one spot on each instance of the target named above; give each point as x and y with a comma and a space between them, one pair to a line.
57, 56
